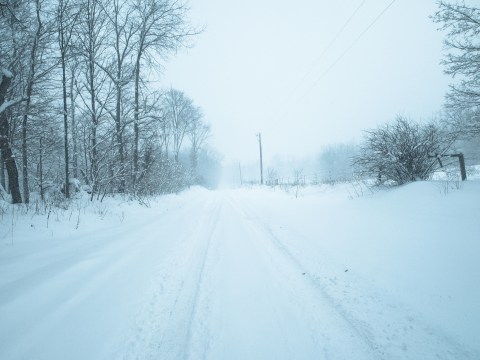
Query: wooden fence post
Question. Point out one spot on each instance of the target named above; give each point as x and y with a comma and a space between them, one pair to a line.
461, 160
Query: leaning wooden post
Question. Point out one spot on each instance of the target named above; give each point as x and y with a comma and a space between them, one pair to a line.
463, 172
461, 160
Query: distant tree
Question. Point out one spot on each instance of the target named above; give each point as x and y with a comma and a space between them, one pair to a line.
470, 148
335, 162
181, 113
462, 23
400, 152
198, 133
209, 168
298, 177
272, 177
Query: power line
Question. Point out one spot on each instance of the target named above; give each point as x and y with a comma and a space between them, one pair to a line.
342, 55
321, 56
357, 39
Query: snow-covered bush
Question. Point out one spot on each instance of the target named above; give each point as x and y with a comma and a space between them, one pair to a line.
400, 152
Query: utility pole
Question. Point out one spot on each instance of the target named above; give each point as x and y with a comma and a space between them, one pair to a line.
240, 171
259, 135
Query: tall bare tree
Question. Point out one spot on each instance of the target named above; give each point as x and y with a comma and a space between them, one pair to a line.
181, 113
198, 133
67, 17
38, 68
462, 24
163, 27
91, 42
12, 52
120, 71
73, 96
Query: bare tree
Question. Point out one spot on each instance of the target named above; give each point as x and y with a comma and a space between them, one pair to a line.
120, 71
12, 52
335, 162
272, 176
39, 66
162, 28
181, 113
100, 52
91, 42
198, 133
67, 17
72, 97
163, 125
462, 24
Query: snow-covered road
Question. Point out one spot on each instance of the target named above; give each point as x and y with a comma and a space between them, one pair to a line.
208, 278
238, 296
258, 303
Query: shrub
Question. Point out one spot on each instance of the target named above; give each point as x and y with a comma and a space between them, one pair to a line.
400, 152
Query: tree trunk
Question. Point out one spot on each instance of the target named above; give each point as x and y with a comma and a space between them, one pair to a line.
26, 191
12, 176
40, 170
119, 82
136, 129
31, 80
74, 128
119, 135
63, 47
65, 123
93, 151
194, 159
2, 171
7, 154
85, 172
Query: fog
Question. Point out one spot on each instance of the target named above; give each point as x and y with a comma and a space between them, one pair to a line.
308, 74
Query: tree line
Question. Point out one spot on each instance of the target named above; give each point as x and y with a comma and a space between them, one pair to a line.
77, 105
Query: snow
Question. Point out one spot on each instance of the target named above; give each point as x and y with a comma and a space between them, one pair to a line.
7, 73
326, 272
6, 105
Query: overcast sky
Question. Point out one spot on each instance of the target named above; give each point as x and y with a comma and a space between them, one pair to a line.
270, 66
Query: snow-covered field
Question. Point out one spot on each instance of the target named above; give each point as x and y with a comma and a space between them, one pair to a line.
329, 272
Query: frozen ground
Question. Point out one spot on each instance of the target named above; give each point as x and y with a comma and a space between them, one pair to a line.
247, 274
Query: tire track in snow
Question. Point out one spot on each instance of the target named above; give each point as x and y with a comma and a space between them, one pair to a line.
360, 330
81, 293
209, 234
238, 316
164, 323
256, 305
403, 337
56, 264
78, 288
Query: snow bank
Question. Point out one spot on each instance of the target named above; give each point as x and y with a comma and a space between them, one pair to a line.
419, 242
